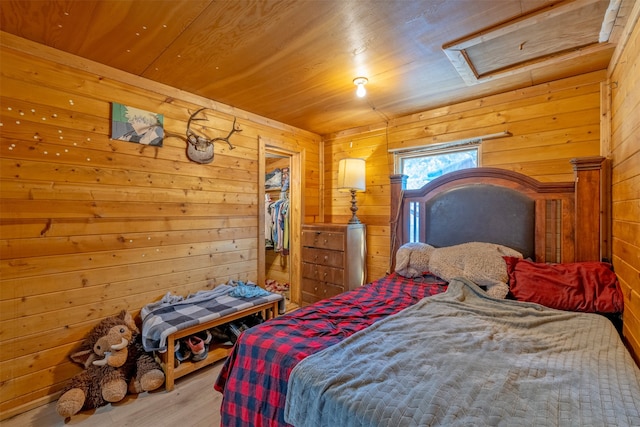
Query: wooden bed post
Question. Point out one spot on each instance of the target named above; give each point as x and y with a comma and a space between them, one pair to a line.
398, 185
588, 209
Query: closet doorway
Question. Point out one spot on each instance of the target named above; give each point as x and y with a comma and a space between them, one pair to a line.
280, 221
277, 225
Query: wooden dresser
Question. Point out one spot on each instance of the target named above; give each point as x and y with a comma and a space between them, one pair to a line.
333, 259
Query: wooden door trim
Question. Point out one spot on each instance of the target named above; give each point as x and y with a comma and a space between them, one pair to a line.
296, 210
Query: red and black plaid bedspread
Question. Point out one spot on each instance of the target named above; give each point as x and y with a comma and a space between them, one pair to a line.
253, 380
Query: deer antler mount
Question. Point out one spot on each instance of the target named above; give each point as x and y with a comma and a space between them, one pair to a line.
200, 146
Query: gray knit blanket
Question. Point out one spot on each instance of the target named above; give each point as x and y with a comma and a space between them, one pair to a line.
462, 358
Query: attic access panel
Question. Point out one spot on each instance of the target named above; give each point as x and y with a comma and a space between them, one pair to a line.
558, 32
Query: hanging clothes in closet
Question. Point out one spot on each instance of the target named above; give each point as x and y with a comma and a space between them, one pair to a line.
277, 216
280, 225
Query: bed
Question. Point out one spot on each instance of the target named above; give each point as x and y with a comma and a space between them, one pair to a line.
421, 350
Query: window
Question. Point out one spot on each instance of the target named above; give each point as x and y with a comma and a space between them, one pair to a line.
423, 166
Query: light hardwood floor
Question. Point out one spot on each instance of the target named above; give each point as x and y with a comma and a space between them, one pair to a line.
193, 403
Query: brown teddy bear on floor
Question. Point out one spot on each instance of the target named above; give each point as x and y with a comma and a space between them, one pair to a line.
115, 362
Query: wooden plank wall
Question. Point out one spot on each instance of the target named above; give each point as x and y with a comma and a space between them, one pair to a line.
549, 123
90, 226
624, 152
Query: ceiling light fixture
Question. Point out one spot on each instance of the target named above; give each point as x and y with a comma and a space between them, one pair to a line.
360, 82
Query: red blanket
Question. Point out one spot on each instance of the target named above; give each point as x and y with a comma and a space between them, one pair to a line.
254, 377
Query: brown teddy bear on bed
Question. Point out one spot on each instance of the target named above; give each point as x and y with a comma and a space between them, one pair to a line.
115, 362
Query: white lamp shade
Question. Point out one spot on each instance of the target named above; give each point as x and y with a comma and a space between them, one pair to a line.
351, 175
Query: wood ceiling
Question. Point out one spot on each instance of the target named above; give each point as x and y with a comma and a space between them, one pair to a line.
294, 61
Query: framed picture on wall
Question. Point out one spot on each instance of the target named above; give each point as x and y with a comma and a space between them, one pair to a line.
136, 125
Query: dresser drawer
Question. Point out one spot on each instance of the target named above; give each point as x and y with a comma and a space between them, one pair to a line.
323, 239
323, 257
313, 290
323, 273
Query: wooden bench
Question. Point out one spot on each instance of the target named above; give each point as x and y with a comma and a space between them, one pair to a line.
217, 351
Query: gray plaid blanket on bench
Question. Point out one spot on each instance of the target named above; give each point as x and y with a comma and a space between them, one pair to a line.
174, 313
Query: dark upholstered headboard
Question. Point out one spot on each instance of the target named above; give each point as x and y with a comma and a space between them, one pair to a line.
484, 213
545, 221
